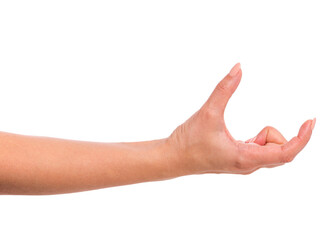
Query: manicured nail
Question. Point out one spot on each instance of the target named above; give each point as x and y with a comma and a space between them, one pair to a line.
313, 124
235, 70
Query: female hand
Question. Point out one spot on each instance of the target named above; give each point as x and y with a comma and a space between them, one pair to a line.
44, 165
206, 146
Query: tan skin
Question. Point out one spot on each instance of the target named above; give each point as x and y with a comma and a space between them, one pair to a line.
35, 165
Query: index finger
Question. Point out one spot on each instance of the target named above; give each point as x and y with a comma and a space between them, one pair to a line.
296, 144
265, 155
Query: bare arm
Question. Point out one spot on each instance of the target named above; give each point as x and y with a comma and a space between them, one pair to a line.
43, 165
202, 144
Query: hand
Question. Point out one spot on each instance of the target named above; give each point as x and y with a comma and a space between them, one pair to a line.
206, 146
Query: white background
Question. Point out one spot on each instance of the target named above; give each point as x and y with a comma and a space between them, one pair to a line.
135, 70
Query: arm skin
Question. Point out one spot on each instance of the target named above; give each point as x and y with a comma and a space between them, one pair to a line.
35, 165
44, 165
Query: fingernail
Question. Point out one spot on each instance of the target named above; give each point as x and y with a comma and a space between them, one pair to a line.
313, 124
235, 70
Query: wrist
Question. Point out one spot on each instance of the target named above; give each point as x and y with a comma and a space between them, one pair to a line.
170, 159
173, 155
181, 159
162, 158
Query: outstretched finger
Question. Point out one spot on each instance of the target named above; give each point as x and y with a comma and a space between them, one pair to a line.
224, 90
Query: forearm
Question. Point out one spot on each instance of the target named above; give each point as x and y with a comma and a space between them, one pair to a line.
43, 165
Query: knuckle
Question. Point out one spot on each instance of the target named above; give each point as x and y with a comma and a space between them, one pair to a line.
222, 87
242, 164
238, 164
289, 159
285, 158
268, 128
208, 113
243, 160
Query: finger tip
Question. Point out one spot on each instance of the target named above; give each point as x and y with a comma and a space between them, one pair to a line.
235, 70
313, 123
306, 128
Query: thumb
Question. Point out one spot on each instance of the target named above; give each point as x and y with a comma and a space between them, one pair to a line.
224, 89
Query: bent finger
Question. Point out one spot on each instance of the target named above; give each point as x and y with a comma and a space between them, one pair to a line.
268, 135
275, 153
296, 144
